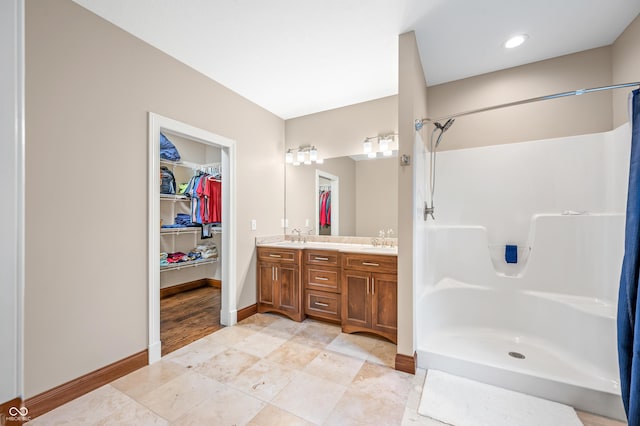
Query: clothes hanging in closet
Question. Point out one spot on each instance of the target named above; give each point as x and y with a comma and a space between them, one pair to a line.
205, 191
325, 208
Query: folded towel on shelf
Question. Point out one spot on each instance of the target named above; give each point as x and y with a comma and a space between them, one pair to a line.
206, 250
177, 257
183, 219
511, 253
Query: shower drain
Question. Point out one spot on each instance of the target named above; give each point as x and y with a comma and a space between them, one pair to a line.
516, 355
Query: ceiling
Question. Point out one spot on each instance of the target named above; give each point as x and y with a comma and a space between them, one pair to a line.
297, 57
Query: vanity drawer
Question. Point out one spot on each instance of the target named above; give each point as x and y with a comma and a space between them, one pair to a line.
321, 257
322, 278
322, 304
268, 254
371, 263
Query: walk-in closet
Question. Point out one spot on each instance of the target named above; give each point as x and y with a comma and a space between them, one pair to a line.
190, 230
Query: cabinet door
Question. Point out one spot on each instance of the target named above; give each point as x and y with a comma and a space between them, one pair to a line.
355, 298
384, 302
288, 288
266, 288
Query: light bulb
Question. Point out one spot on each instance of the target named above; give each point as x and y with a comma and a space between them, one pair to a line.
384, 144
300, 157
289, 157
313, 154
367, 145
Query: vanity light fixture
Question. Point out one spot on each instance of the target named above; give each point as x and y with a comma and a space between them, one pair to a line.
305, 154
384, 144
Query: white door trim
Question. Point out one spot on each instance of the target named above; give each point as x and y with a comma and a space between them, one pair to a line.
228, 311
12, 173
335, 202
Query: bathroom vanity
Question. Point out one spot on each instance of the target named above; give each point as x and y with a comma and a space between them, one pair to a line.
354, 285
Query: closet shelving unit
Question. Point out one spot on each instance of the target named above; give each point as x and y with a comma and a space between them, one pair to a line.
184, 199
189, 264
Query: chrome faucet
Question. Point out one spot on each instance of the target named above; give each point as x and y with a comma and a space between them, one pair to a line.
389, 234
385, 237
293, 231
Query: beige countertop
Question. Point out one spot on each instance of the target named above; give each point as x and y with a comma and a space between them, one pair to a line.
340, 247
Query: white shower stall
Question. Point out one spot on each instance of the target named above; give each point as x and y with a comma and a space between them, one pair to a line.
546, 325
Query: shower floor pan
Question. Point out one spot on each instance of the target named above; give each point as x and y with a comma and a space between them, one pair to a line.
524, 364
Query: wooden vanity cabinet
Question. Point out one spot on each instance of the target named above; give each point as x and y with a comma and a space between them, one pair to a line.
322, 284
370, 295
279, 282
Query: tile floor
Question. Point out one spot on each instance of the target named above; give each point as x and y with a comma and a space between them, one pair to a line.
267, 370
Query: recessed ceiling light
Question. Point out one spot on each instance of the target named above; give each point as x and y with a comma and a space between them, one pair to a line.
516, 41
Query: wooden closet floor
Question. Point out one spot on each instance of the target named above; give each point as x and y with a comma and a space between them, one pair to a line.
188, 316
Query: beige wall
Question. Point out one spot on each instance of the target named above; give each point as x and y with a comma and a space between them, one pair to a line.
341, 131
301, 194
626, 68
376, 196
412, 104
89, 86
548, 119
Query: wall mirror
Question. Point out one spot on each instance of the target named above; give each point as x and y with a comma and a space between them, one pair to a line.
345, 196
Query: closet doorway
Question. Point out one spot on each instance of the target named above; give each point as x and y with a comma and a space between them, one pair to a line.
211, 156
327, 203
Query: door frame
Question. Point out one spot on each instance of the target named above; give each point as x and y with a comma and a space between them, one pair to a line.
12, 217
228, 311
335, 202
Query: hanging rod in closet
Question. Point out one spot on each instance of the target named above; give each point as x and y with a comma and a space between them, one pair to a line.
419, 123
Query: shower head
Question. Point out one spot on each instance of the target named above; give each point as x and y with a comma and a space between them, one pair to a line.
444, 127
448, 124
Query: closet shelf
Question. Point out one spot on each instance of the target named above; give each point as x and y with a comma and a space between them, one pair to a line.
178, 231
174, 197
188, 164
188, 230
189, 264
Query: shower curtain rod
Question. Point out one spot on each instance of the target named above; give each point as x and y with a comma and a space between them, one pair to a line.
419, 123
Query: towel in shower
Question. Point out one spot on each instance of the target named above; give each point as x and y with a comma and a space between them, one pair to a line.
511, 253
